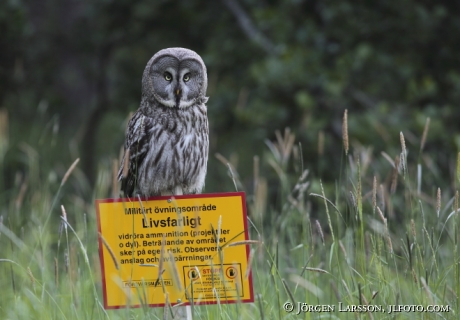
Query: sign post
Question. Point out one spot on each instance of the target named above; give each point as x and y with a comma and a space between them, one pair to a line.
180, 249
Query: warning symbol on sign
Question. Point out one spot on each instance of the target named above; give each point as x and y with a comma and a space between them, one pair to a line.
231, 272
193, 274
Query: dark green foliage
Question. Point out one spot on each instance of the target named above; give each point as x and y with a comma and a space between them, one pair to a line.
391, 64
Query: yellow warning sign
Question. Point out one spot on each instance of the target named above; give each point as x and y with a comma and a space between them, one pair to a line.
176, 249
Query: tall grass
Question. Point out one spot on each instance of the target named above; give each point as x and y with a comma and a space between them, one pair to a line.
368, 238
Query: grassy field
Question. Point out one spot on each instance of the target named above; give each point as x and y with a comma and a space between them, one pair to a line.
375, 242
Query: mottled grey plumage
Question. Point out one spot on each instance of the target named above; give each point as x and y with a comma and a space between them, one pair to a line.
167, 137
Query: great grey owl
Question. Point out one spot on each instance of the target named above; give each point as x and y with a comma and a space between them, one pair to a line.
167, 137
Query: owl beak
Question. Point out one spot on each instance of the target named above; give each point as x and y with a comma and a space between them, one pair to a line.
177, 92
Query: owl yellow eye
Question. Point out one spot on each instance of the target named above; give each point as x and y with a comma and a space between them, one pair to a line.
168, 76
186, 77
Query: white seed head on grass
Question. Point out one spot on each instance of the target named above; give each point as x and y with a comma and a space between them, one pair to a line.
64, 217
438, 202
320, 230
69, 171
403, 143
412, 227
403, 156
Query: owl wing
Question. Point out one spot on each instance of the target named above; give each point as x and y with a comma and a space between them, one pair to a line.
138, 136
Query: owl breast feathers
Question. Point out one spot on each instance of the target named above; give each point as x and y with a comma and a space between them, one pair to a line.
166, 146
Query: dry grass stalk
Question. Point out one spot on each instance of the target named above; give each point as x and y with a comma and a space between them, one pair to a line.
346, 288
3, 122
403, 156
342, 247
424, 134
414, 276
336, 290
403, 143
374, 294
125, 164
458, 167
374, 194
56, 272
291, 296
285, 144
315, 270
66, 260
3, 131
112, 254
427, 290
64, 217
166, 307
353, 201
162, 254
231, 168
412, 227
21, 194
327, 211
260, 201
69, 171
359, 195
240, 243
394, 178
320, 230
382, 196
315, 290
381, 214
31, 276
175, 271
256, 161
438, 202
388, 158
456, 202
345, 131
387, 232
251, 258
115, 186
367, 303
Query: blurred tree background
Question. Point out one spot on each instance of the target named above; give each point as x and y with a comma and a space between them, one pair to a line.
70, 74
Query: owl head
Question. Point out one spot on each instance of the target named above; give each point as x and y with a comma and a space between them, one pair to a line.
176, 78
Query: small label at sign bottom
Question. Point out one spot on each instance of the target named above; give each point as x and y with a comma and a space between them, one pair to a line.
205, 281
